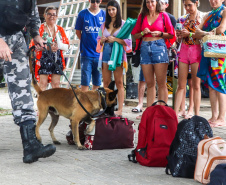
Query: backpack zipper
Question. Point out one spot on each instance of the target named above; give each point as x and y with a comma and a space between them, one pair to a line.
210, 165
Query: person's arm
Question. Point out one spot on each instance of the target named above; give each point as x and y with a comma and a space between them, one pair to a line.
34, 24
222, 27
33, 28
62, 45
79, 26
137, 31
111, 39
79, 34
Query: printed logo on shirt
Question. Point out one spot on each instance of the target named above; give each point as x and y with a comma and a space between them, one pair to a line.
91, 29
87, 21
101, 19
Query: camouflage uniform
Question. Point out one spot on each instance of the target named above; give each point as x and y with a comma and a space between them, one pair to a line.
16, 72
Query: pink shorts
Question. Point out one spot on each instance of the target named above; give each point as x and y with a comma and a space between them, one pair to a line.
190, 54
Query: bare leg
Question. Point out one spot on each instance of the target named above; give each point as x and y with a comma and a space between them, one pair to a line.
222, 109
95, 87
214, 104
191, 101
161, 73
196, 87
182, 80
118, 75
84, 88
148, 71
43, 82
106, 74
182, 105
55, 82
141, 89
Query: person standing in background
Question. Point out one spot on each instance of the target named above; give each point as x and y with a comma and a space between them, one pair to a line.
87, 28
45, 70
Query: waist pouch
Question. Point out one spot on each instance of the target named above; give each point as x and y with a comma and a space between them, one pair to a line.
13, 19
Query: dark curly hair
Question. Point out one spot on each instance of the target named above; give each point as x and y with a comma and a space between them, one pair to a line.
118, 20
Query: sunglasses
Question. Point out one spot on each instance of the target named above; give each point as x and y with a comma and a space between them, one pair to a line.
51, 15
93, 1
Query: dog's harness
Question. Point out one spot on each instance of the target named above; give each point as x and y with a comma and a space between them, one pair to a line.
101, 91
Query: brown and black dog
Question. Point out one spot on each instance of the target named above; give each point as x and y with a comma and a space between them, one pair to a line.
62, 102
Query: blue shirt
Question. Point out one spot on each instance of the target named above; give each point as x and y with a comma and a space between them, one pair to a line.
89, 24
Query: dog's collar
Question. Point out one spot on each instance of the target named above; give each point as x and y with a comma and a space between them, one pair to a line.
102, 94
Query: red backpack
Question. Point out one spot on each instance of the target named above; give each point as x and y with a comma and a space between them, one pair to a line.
156, 132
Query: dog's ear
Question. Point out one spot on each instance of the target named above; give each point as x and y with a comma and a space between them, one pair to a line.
111, 85
112, 95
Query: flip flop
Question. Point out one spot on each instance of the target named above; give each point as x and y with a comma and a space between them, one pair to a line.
181, 115
136, 110
222, 124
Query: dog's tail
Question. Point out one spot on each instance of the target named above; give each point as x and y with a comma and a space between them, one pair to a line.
34, 81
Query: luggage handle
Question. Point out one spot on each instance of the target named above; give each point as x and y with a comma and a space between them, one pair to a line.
111, 118
159, 101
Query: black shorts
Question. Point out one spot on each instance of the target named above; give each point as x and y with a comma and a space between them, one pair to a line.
47, 66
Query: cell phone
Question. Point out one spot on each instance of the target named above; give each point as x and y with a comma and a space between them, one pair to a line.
179, 26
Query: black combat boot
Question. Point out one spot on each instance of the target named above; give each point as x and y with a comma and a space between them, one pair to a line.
33, 149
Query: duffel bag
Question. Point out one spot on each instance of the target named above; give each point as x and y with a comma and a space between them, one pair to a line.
109, 133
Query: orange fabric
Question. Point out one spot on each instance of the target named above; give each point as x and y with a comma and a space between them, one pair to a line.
39, 53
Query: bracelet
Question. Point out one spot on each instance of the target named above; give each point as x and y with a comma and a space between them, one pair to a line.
161, 34
142, 33
190, 34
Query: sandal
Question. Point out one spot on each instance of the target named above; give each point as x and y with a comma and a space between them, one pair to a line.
136, 109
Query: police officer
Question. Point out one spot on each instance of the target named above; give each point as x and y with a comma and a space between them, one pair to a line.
14, 16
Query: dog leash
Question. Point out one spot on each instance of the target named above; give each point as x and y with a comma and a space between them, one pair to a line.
101, 91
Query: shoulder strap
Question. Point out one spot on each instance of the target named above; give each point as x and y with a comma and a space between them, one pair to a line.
164, 23
142, 19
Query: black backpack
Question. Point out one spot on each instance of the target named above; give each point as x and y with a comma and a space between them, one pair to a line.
183, 150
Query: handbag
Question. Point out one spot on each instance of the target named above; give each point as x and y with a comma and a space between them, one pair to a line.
136, 55
214, 46
108, 133
172, 51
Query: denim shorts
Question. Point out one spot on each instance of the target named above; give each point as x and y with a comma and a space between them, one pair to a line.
107, 50
89, 69
153, 52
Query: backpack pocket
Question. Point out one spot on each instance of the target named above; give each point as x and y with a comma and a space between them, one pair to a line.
187, 168
163, 132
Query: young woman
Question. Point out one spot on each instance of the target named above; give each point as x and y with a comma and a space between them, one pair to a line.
45, 71
107, 36
214, 23
189, 55
153, 26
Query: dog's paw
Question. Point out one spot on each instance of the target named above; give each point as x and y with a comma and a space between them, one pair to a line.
82, 147
57, 142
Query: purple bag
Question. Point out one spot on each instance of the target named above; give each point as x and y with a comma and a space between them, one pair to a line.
110, 133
